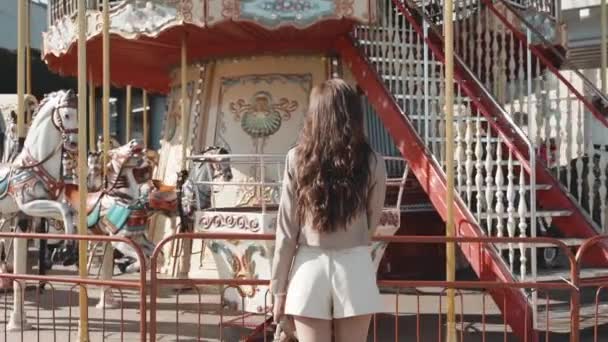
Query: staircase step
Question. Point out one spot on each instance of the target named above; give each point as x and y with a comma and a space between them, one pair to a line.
542, 187
382, 28
424, 117
560, 317
539, 213
483, 139
564, 274
571, 242
416, 78
377, 59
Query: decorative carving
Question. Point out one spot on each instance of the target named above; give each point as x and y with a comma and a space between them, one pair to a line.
242, 222
230, 9
242, 263
261, 117
345, 8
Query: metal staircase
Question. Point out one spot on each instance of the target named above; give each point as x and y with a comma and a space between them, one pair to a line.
525, 165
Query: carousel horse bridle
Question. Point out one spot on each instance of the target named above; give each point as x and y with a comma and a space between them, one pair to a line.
58, 123
29, 163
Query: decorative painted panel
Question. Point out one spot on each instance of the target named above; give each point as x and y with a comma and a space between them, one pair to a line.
241, 259
260, 114
258, 106
274, 12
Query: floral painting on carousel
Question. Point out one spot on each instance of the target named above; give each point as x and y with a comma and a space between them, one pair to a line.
260, 114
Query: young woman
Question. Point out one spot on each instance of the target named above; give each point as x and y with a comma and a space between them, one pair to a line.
331, 202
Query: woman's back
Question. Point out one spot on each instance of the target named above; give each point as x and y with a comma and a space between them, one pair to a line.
362, 225
331, 202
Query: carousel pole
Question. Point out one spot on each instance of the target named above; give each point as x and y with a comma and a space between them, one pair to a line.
604, 46
449, 162
82, 166
184, 112
92, 116
28, 60
108, 259
21, 28
106, 83
28, 51
145, 116
128, 111
187, 244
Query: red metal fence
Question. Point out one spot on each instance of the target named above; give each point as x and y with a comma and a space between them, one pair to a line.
53, 295
416, 312
406, 290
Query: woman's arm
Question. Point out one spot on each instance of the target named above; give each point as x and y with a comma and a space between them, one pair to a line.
376, 195
286, 234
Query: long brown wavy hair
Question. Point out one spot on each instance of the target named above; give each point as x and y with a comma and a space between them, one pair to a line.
332, 158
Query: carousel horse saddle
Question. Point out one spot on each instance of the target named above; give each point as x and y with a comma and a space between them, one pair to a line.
131, 219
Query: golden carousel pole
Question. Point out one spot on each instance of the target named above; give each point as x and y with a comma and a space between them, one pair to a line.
28, 56
28, 60
128, 111
82, 166
145, 116
604, 46
186, 244
449, 162
92, 116
106, 83
21, 14
184, 112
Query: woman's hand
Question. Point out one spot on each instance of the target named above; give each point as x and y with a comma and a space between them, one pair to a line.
278, 310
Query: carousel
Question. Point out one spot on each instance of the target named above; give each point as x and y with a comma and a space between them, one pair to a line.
236, 76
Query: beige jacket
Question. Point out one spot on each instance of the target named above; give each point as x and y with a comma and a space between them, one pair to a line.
358, 233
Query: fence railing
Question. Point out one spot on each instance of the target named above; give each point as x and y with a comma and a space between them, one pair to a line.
56, 294
413, 292
413, 309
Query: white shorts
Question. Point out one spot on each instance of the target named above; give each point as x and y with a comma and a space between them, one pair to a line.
328, 284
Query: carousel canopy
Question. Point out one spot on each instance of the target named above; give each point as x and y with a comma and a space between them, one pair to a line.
146, 36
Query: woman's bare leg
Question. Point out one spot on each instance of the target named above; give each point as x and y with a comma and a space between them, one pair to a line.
313, 329
352, 329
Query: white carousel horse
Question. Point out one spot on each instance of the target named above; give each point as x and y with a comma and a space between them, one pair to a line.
32, 184
120, 208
